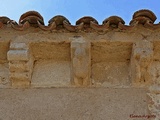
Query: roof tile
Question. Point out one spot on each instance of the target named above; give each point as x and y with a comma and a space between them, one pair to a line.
34, 19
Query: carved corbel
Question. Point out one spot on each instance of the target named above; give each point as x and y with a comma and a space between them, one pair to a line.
141, 59
81, 62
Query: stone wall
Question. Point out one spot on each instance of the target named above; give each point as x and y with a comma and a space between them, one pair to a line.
108, 56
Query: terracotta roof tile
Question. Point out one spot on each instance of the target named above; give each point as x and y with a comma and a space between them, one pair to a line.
142, 17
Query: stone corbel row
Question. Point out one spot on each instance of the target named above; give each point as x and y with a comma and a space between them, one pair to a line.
21, 61
145, 18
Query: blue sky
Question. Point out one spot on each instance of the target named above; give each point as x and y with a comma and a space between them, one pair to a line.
75, 9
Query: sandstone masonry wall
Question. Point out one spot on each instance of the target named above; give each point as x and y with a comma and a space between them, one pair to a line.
86, 55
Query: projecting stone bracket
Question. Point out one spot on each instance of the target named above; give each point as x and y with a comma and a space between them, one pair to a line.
20, 64
141, 59
80, 62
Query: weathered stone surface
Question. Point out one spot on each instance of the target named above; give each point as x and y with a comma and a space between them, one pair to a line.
113, 59
4, 47
20, 83
51, 50
115, 51
111, 74
19, 76
20, 66
51, 73
154, 105
4, 76
72, 104
155, 72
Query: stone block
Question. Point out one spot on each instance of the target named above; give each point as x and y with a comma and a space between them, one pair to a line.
20, 66
20, 76
20, 83
18, 46
18, 55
